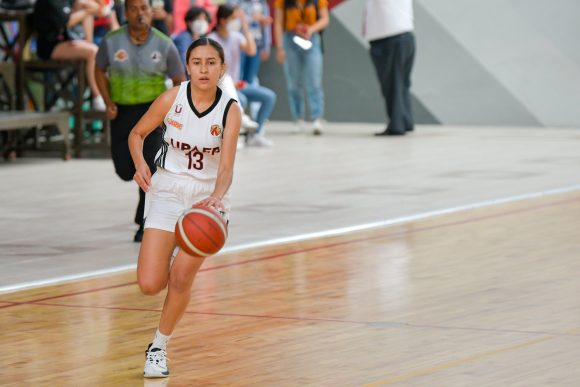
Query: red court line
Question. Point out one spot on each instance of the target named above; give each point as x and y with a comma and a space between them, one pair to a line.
389, 324
325, 246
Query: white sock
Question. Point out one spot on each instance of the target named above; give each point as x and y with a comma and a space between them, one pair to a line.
160, 340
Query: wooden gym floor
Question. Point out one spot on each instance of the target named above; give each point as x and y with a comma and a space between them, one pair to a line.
480, 295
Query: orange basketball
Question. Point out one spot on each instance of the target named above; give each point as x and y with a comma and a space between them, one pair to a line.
201, 231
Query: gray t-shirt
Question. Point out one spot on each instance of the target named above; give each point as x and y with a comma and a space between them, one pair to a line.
232, 51
137, 72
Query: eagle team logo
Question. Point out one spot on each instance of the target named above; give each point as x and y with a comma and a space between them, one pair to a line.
215, 130
121, 55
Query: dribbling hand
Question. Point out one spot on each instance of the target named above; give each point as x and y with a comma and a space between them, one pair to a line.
142, 176
211, 201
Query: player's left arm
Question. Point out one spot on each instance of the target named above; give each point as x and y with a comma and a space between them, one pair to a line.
228, 155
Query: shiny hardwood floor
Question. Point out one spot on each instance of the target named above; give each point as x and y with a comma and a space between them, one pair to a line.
486, 297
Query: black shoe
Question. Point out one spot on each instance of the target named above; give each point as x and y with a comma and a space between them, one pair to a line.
389, 133
138, 235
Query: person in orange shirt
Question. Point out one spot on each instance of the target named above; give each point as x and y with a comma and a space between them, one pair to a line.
297, 26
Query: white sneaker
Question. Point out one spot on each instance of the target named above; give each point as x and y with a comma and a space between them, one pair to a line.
99, 104
248, 123
317, 127
155, 363
298, 127
259, 140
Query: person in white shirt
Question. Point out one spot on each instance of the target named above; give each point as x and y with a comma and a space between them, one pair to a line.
388, 26
233, 33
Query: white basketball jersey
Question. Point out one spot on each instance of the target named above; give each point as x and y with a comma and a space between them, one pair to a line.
192, 140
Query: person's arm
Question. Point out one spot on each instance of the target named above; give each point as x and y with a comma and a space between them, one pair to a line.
321, 23
83, 9
249, 46
148, 123
103, 86
266, 33
114, 20
278, 31
175, 67
228, 155
103, 82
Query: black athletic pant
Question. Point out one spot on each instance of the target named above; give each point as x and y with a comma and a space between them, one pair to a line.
127, 117
393, 59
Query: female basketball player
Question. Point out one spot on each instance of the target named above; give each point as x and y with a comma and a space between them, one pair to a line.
195, 165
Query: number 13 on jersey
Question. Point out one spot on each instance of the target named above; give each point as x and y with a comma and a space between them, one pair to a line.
195, 160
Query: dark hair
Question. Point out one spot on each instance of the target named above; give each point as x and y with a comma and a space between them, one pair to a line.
193, 13
224, 11
127, 3
205, 42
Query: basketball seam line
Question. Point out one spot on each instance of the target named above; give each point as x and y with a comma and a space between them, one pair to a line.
186, 240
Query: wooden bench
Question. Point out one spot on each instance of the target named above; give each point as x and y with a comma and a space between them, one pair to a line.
63, 81
14, 120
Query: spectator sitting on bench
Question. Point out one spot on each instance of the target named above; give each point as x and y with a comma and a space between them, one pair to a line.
52, 18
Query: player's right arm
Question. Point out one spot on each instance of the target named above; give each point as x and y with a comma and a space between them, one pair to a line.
148, 123
278, 34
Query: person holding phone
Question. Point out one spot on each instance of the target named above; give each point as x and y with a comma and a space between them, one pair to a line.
297, 27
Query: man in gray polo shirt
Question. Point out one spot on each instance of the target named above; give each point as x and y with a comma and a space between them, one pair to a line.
138, 59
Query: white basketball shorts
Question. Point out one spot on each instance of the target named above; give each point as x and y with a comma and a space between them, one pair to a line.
170, 195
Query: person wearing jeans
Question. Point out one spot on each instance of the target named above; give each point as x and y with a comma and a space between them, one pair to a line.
259, 20
230, 21
264, 96
297, 25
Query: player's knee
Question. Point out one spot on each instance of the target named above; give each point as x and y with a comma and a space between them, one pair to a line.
151, 288
179, 283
